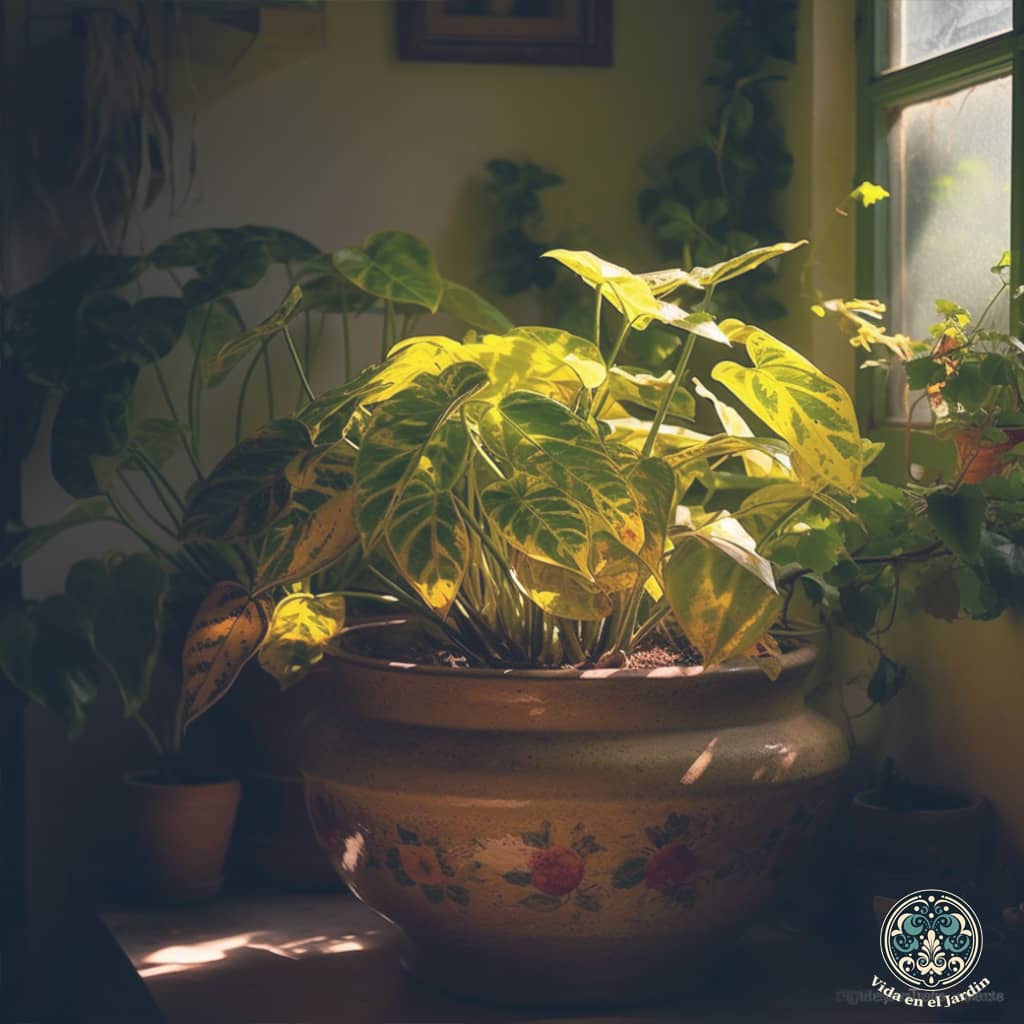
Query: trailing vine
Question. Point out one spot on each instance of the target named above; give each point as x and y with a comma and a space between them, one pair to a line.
719, 196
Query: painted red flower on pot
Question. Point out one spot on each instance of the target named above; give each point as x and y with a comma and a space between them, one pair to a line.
556, 870
671, 868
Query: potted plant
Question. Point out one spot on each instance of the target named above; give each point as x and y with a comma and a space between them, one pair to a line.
77, 341
579, 749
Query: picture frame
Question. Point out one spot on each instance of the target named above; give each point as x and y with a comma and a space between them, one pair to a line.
559, 32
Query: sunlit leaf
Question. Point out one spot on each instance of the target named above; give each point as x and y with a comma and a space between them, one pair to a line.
809, 410
721, 606
583, 356
539, 520
429, 542
755, 462
742, 264
413, 432
561, 592
225, 633
628, 293
300, 630
319, 525
627, 384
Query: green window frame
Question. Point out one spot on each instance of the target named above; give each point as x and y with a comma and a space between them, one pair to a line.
879, 94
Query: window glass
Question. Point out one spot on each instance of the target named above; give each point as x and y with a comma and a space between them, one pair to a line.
950, 168
919, 29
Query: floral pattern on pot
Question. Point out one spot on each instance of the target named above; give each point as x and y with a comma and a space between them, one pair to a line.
670, 865
425, 864
556, 872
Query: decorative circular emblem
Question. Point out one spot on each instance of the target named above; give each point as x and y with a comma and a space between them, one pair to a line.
931, 939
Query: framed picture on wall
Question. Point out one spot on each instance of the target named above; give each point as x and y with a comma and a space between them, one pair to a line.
506, 31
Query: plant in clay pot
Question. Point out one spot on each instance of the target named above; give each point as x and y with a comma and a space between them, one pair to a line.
81, 342
578, 572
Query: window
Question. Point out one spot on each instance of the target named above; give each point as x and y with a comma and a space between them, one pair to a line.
939, 80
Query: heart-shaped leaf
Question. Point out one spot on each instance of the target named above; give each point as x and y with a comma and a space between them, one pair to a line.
811, 411
958, 517
21, 542
301, 628
249, 489
722, 607
394, 266
473, 309
225, 633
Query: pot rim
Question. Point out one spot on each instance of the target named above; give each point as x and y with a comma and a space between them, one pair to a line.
971, 805
804, 655
143, 779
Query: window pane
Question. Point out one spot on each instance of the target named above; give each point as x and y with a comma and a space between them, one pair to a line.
951, 219
919, 29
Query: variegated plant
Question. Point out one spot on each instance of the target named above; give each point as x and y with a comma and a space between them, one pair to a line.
534, 497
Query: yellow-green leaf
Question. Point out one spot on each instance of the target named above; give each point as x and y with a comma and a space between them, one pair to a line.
630, 294
320, 523
721, 607
868, 193
582, 355
743, 263
561, 592
626, 384
663, 282
808, 409
225, 633
540, 520
429, 542
473, 309
302, 627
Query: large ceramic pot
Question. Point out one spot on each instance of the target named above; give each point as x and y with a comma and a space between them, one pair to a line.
564, 835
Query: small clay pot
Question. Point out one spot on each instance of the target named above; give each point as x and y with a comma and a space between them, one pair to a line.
183, 831
929, 836
984, 458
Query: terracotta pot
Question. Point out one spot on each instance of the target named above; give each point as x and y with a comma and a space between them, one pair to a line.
936, 837
183, 833
567, 836
983, 458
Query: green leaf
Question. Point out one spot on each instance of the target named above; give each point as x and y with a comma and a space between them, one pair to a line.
560, 592
209, 327
128, 625
241, 265
958, 517
742, 264
192, 248
1002, 562
540, 520
809, 410
21, 542
938, 594
630, 294
699, 323
394, 266
722, 607
413, 431
300, 631
710, 211
473, 309
249, 489
887, 680
629, 384
230, 353
92, 420
630, 873
583, 356
545, 438
664, 282
429, 541
654, 484
319, 524
156, 324
159, 439
224, 634
282, 246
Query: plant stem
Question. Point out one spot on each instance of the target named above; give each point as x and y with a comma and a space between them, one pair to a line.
602, 392
597, 316
148, 464
126, 483
298, 365
670, 394
385, 341
194, 396
150, 735
154, 548
346, 344
250, 369
268, 377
